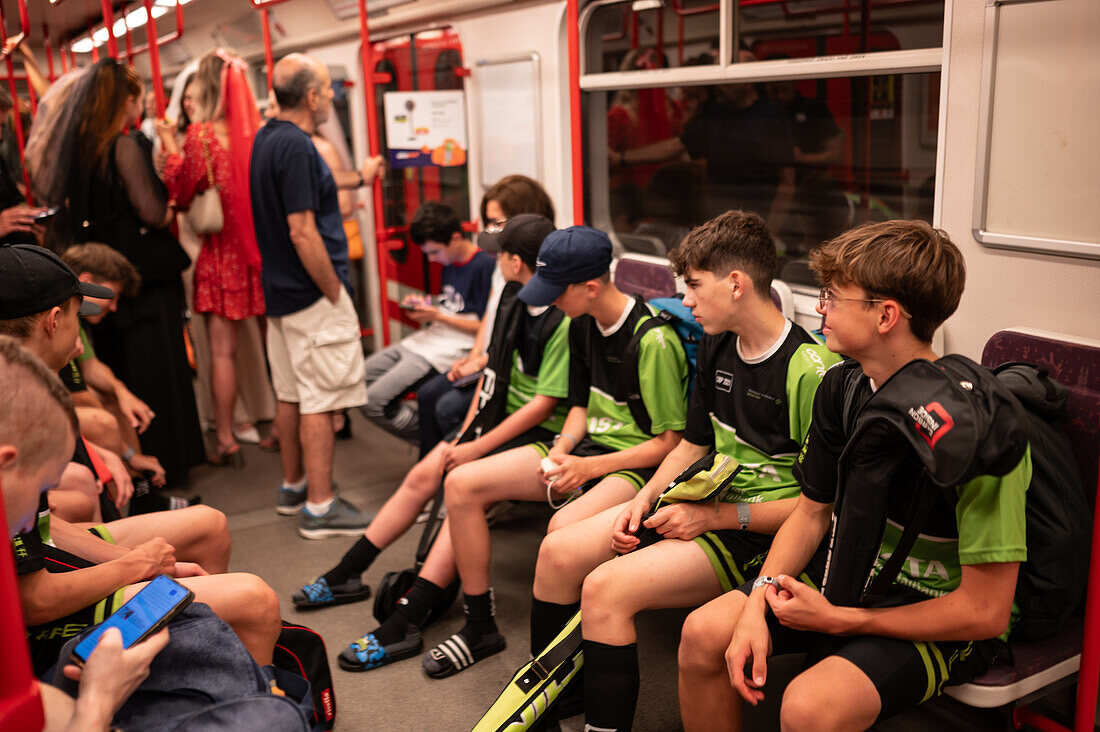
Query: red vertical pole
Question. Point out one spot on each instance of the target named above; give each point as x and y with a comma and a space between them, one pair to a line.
572, 20
49, 53
109, 24
129, 38
17, 114
269, 56
154, 57
1088, 677
373, 137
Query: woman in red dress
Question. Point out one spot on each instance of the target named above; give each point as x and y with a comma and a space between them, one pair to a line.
227, 271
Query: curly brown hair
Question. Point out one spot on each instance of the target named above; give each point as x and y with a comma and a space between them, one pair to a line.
733, 240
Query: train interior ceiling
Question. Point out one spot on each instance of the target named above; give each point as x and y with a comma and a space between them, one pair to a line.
898, 119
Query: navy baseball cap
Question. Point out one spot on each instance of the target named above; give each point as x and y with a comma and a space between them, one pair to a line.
34, 279
567, 256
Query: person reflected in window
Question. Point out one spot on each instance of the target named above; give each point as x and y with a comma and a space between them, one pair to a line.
743, 142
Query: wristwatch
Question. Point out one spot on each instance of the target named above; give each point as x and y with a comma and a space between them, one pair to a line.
765, 580
743, 515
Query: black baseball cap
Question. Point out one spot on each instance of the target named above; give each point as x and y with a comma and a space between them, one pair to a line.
522, 235
567, 256
34, 279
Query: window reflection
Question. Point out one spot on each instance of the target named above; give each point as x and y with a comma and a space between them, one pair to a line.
812, 157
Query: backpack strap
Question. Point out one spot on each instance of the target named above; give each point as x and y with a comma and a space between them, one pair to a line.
431, 527
926, 496
543, 665
629, 372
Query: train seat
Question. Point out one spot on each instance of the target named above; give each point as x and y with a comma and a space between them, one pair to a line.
1041, 664
644, 275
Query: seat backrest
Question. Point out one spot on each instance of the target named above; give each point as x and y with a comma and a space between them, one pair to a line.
1077, 366
645, 276
643, 243
783, 298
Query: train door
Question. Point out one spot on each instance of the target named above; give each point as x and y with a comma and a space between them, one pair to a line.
426, 61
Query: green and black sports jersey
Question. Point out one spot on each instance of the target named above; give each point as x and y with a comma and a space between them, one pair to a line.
987, 523
595, 362
549, 367
29, 546
757, 411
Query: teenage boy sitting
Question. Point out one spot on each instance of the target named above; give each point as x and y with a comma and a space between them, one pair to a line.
39, 301
755, 380
887, 287
529, 351
37, 430
451, 325
101, 265
600, 444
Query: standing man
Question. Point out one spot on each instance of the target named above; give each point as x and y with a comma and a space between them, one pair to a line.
313, 330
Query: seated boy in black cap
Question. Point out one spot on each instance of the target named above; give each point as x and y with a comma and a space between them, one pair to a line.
891, 625
600, 448
40, 298
518, 402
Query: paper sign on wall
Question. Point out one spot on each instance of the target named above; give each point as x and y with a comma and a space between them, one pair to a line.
425, 128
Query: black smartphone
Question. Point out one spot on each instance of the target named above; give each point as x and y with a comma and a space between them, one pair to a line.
141, 616
403, 306
45, 214
470, 379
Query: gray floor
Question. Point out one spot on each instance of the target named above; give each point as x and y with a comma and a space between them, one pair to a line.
400, 696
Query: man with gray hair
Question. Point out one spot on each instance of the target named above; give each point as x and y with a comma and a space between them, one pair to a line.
313, 330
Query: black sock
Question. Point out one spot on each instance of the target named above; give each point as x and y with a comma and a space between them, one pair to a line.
412, 610
547, 620
479, 617
611, 681
354, 562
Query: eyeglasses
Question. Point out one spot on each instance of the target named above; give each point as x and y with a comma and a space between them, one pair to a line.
827, 298
495, 226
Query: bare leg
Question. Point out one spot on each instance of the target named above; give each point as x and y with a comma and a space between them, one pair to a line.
199, 534
670, 573
100, 426
567, 556
605, 494
707, 700
401, 509
223, 375
76, 497
833, 694
244, 601
290, 446
317, 449
470, 489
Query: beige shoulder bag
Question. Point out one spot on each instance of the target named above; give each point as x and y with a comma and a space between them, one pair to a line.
205, 215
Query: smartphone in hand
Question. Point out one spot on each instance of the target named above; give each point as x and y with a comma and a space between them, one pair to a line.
141, 616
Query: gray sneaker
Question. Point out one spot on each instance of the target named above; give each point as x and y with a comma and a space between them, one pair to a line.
341, 519
289, 502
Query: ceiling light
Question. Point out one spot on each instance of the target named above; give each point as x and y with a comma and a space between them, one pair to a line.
136, 18
84, 45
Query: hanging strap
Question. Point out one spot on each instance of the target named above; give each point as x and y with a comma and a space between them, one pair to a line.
206, 155
554, 656
926, 496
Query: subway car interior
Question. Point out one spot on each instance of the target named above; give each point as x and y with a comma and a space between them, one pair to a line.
641, 119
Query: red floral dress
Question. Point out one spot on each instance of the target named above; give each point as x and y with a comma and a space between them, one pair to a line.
227, 271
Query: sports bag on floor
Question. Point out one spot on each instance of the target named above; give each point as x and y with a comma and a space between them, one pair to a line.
537, 685
301, 652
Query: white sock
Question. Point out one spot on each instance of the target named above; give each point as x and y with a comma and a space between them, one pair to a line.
319, 509
297, 486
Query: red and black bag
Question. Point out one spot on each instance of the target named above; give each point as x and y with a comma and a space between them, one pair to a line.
301, 650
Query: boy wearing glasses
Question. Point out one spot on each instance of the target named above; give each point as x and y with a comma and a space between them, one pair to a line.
874, 647
755, 380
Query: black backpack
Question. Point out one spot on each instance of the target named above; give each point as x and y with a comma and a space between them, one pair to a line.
301, 651
1052, 581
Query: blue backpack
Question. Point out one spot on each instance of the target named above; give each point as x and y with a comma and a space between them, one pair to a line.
671, 312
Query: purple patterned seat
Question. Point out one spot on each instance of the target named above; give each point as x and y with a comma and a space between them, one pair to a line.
1077, 366
646, 277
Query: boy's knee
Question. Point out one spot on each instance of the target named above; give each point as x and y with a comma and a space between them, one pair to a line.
260, 599
559, 520
602, 594
702, 645
803, 708
554, 558
461, 487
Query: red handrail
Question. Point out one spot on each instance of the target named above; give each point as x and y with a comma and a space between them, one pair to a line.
48, 44
24, 29
151, 35
366, 55
269, 56
154, 50
109, 25
572, 12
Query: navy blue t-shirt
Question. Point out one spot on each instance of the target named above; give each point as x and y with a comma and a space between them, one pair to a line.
466, 285
289, 176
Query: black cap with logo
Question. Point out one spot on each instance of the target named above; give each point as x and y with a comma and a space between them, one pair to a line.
34, 279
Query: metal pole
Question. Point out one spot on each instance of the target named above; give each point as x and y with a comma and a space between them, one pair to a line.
373, 136
269, 57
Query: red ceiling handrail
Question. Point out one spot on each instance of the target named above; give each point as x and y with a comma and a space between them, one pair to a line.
154, 51
269, 56
109, 26
48, 44
175, 35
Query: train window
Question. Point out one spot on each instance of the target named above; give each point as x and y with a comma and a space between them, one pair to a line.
646, 34
813, 157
